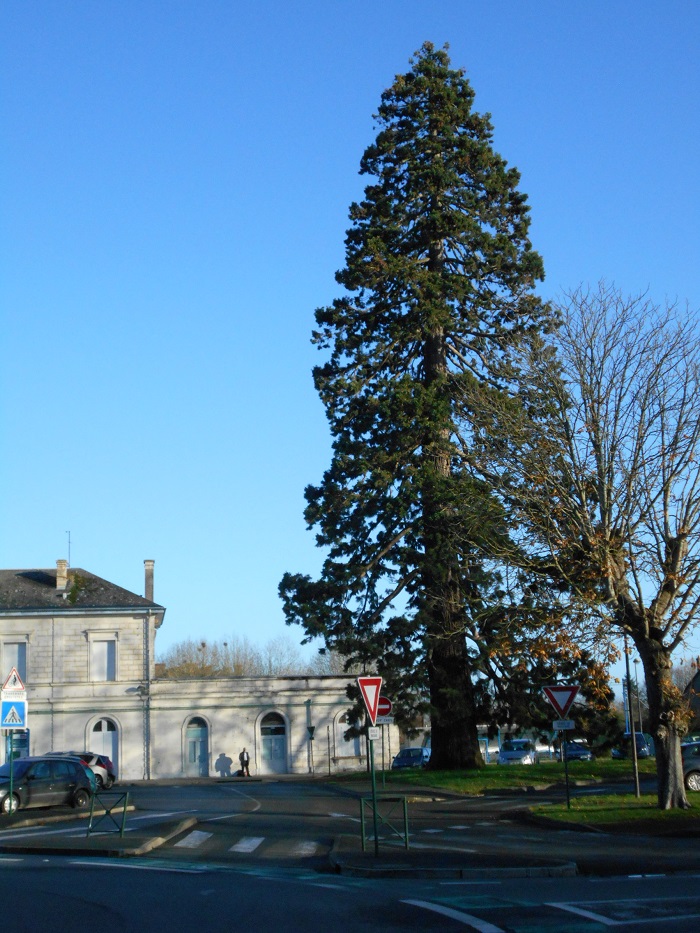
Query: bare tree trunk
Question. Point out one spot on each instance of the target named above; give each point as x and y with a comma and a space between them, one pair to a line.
666, 723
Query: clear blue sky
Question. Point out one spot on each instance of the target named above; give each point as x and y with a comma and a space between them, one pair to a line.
175, 183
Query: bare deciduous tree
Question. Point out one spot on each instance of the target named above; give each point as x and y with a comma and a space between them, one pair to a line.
606, 483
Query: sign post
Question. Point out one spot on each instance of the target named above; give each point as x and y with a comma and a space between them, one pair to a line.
561, 696
384, 718
369, 688
13, 714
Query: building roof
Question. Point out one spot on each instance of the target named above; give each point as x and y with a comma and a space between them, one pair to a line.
35, 590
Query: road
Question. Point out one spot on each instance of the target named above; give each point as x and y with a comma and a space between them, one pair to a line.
260, 851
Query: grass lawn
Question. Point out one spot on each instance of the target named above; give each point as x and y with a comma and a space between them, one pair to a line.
495, 777
621, 811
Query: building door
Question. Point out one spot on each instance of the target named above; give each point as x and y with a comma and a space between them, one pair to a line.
273, 739
197, 748
105, 741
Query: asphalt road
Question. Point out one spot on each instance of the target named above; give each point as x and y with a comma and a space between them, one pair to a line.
258, 854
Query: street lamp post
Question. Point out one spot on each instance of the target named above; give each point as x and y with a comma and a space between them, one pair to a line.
635, 765
639, 699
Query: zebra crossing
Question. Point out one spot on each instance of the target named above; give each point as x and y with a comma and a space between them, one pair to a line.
217, 845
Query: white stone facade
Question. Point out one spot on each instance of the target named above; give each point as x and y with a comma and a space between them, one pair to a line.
90, 677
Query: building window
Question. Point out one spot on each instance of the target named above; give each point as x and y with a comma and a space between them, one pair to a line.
14, 654
103, 659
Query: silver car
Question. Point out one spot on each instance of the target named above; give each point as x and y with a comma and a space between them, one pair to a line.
690, 753
518, 752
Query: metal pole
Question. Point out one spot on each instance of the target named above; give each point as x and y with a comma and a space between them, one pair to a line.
383, 765
328, 733
374, 798
639, 699
12, 768
635, 763
563, 743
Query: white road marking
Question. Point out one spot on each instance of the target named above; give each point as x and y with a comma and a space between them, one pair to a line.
588, 914
234, 790
247, 844
121, 863
483, 926
193, 839
432, 830
304, 848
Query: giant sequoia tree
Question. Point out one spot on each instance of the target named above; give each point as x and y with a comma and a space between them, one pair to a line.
438, 281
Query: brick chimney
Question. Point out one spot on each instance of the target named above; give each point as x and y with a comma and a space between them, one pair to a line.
148, 567
61, 575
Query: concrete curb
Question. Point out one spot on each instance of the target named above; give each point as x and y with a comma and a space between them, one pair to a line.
342, 864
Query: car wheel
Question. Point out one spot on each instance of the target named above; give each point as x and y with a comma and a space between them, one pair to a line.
692, 780
81, 799
10, 804
108, 783
98, 780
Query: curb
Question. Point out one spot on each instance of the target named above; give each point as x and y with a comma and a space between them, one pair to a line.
341, 866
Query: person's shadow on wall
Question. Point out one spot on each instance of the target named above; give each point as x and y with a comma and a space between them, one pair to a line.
223, 765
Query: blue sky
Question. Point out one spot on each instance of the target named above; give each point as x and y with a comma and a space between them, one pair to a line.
175, 183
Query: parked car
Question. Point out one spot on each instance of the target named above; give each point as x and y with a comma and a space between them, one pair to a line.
690, 753
624, 750
575, 751
417, 757
44, 782
105, 775
518, 752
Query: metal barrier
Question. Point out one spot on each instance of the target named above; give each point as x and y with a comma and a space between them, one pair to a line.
110, 802
384, 818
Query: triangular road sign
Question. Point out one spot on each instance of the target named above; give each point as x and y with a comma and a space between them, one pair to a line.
561, 696
14, 681
369, 688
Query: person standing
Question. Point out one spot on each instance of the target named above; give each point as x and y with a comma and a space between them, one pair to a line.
244, 759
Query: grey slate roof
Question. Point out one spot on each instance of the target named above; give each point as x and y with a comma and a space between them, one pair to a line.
35, 590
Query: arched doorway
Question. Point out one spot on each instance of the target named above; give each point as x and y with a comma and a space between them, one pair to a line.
273, 741
197, 748
105, 741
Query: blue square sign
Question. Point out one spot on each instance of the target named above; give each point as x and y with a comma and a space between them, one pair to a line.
13, 714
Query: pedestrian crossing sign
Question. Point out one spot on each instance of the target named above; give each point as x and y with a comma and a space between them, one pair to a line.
13, 714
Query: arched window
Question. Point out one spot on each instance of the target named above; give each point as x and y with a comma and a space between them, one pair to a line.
273, 743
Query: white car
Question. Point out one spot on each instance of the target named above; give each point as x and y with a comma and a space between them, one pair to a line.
518, 752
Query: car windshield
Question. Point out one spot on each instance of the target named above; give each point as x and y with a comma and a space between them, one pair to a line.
18, 770
515, 747
410, 753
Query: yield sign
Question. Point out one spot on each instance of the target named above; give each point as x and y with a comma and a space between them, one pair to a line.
561, 697
369, 688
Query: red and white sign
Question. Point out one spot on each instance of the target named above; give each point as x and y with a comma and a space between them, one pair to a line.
384, 706
561, 697
369, 688
13, 682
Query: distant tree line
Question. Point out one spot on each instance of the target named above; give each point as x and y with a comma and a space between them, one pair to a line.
239, 657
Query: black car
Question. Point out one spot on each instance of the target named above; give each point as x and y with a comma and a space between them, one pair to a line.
44, 782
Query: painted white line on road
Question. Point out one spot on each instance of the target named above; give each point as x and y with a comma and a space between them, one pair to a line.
120, 863
304, 848
588, 914
448, 883
432, 830
193, 839
483, 926
234, 790
247, 844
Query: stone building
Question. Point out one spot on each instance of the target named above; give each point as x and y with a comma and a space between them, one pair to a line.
85, 650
